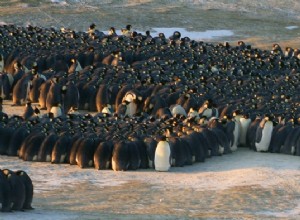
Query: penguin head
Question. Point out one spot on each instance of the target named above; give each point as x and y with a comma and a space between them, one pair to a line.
111, 31
36, 111
28, 103
128, 27
92, 26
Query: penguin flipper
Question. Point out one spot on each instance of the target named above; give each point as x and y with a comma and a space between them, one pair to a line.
258, 135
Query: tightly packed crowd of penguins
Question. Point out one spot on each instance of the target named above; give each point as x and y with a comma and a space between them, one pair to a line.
153, 101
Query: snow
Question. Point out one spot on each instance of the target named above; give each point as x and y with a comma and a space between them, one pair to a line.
244, 168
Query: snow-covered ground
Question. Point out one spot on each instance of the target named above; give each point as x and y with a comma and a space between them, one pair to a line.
239, 185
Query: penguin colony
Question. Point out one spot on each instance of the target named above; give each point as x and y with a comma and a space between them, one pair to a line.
160, 101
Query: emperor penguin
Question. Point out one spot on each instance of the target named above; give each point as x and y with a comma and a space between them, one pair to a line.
56, 110
264, 134
132, 99
232, 131
177, 110
245, 122
208, 110
28, 111
162, 157
75, 66
127, 31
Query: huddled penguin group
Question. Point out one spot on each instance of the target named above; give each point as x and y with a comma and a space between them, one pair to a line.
16, 190
155, 102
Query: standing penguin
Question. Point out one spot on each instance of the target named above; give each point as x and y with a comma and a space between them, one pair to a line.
35, 88
54, 94
245, 122
233, 132
21, 90
102, 98
70, 97
43, 92
162, 157
264, 134
28, 111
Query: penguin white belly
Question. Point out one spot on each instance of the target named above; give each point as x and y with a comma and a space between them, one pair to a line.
236, 133
131, 109
245, 123
207, 113
178, 110
264, 143
56, 111
162, 156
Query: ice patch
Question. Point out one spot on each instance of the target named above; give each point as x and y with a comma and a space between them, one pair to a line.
60, 2
292, 27
208, 34
194, 35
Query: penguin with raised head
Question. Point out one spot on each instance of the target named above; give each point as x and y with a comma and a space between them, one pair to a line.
29, 112
127, 31
208, 110
133, 98
175, 36
35, 87
18, 73
162, 156
54, 94
70, 97
21, 90
264, 134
